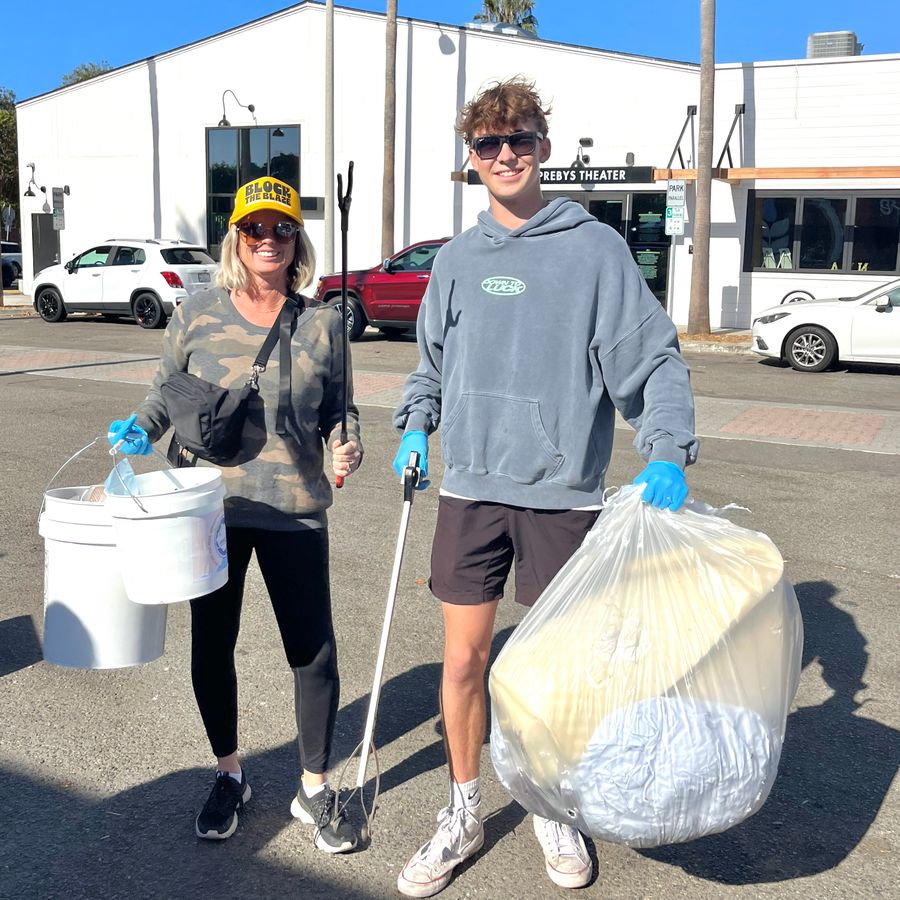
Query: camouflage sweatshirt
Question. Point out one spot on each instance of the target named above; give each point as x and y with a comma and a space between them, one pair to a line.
278, 481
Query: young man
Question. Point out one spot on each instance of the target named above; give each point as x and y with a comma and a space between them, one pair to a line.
536, 327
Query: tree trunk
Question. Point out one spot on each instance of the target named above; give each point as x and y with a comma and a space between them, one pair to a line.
698, 313
390, 127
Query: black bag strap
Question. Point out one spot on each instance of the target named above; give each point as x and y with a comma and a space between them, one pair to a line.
281, 333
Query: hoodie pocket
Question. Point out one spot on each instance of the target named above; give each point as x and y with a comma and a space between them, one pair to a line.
499, 435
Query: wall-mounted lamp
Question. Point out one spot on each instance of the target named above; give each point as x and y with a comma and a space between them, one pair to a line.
581, 158
28, 191
224, 123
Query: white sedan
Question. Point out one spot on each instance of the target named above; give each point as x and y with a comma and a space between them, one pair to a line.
813, 334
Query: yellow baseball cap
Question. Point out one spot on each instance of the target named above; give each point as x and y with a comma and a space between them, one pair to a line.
266, 193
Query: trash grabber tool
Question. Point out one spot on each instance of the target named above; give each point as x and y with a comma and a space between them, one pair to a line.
344, 207
411, 476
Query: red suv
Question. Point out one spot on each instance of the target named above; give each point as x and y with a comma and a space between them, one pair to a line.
387, 297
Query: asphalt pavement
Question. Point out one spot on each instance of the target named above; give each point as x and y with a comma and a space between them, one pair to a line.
102, 772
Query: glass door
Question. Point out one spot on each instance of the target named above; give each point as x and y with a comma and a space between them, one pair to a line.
641, 220
649, 242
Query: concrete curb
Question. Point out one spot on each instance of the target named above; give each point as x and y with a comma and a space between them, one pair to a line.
715, 347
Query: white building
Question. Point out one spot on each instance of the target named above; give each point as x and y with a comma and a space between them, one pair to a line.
143, 154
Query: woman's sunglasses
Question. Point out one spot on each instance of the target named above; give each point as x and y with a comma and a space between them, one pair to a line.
522, 143
253, 232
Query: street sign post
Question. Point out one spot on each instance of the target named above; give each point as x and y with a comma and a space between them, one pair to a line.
9, 219
59, 215
674, 220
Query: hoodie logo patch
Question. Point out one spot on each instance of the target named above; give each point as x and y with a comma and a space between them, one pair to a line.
503, 286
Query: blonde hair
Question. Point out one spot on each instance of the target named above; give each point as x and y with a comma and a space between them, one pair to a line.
233, 274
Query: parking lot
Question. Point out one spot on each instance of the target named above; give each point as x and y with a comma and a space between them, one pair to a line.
102, 772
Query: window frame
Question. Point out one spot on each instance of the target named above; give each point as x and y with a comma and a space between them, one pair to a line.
212, 247
849, 226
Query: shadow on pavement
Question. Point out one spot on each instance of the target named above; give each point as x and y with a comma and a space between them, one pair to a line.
836, 768
141, 842
19, 645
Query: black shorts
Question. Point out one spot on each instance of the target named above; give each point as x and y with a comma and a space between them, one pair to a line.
475, 543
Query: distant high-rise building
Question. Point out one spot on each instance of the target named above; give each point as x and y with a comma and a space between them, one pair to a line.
832, 43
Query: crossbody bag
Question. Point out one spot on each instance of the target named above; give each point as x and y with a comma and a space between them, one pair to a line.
208, 420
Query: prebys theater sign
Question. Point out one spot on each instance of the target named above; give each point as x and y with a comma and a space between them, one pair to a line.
598, 175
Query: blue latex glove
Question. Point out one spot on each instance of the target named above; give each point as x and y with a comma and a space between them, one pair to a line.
665, 485
413, 442
129, 438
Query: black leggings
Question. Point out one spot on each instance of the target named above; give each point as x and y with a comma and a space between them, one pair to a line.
294, 565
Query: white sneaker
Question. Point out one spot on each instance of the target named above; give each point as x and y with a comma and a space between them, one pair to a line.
460, 835
568, 863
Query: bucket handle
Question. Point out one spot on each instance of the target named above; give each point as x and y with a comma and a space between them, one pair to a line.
56, 473
113, 453
168, 470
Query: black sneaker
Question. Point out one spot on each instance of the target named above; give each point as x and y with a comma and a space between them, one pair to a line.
333, 833
219, 819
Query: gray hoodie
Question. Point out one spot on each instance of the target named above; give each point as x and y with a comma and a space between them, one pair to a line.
530, 339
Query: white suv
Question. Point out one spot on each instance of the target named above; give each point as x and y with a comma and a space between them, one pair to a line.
143, 279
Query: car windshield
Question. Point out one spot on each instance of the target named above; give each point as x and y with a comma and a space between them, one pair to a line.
187, 256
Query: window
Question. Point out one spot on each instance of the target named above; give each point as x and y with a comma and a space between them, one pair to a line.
419, 259
235, 156
186, 256
130, 256
822, 235
876, 234
96, 256
773, 232
850, 233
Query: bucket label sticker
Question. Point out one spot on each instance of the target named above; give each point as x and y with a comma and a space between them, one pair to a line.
217, 544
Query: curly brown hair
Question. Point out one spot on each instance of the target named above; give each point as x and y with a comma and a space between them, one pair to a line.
502, 106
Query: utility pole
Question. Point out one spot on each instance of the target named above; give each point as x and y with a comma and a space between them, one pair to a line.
329, 136
390, 129
698, 312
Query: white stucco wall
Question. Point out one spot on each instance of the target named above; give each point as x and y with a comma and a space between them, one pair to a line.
131, 144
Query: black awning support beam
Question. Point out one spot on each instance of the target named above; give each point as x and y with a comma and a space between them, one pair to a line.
739, 109
691, 112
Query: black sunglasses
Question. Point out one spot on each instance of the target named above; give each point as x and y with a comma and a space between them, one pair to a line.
254, 232
522, 143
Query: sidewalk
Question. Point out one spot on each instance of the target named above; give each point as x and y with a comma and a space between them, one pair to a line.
16, 305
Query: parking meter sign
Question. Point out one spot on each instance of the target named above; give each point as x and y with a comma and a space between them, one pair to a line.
674, 220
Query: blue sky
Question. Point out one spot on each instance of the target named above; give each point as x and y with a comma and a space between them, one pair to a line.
54, 36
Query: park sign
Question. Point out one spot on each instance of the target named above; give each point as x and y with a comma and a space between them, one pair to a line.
675, 192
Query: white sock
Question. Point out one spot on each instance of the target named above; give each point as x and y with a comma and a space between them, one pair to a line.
466, 795
314, 790
236, 775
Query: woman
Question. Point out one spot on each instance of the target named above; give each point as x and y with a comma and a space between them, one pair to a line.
276, 493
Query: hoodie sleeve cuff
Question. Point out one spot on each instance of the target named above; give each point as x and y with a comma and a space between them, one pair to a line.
666, 450
418, 421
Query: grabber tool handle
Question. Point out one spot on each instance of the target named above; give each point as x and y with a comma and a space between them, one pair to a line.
411, 473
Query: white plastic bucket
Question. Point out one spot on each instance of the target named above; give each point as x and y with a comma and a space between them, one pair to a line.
171, 539
89, 622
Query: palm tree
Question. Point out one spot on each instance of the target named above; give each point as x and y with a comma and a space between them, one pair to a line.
510, 12
698, 311
390, 128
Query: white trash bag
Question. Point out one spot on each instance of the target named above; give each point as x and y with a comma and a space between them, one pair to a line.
643, 698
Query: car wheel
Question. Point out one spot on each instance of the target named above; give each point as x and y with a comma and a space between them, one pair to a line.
149, 311
810, 349
356, 319
50, 306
